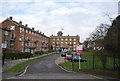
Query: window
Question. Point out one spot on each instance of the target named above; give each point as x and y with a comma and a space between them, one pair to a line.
29, 43
61, 39
23, 29
6, 33
74, 42
61, 42
20, 30
11, 27
66, 39
74, 45
66, 42
53, 45
29, 32
26, 31
70, 42
12, 36
22, 36
53, 42
57, 42
4, 44
74, 39
22, 43
57, 39
20, 39
70, 39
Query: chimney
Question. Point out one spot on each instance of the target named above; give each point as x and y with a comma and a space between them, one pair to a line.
11, 18
26, 25
32, 28
20, 23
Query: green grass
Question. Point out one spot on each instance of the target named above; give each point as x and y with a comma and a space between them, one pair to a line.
67, 65
8, 59
34, 55
20, 66
89, 65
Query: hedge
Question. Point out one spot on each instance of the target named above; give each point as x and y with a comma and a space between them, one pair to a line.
20, 55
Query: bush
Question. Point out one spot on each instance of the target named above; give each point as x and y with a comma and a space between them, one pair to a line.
51, 50
39, 52
20, 55
44, 52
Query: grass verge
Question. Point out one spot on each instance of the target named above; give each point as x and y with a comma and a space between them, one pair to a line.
88, 66
20, 66
8, 59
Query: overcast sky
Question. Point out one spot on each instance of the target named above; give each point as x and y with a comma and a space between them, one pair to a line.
76, 17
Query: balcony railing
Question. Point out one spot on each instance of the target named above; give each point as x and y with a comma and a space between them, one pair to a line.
27, 40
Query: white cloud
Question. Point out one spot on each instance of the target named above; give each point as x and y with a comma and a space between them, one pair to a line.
76, 17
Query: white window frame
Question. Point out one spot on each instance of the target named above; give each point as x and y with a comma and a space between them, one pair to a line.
74, 39
6, 33
74, 42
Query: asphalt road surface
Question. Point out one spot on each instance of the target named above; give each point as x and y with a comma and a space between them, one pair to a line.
46, 68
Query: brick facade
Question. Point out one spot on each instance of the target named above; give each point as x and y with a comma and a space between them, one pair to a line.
21, 38
64, 42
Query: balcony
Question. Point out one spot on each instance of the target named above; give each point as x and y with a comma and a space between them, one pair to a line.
36, 42
27, 40
12, 40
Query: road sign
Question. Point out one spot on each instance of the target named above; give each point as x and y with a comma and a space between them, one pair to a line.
79, 49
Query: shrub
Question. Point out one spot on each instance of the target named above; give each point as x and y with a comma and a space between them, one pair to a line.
39, 52
20, 55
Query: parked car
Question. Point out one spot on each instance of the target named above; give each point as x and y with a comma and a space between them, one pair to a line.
69, 56
57, 52
77, 58
63, 54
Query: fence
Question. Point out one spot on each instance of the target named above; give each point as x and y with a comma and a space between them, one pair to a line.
97, 62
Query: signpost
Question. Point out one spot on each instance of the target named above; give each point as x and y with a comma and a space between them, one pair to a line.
79, 50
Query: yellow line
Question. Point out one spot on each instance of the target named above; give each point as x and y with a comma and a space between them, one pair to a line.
62, 67
24, 71
20, 74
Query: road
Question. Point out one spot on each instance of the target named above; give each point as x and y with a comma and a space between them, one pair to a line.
46, 68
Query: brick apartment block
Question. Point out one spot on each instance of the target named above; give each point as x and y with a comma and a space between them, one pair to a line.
17, 37
20, 38
64, 42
